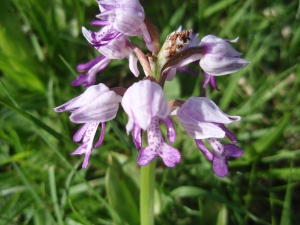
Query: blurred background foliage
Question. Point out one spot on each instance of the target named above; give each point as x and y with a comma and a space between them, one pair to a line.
40, 183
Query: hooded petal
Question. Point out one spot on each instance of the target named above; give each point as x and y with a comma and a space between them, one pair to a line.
101, 109
142, 102
219, 46
218, 65
202, 109
202, 130
88, 96
124, 16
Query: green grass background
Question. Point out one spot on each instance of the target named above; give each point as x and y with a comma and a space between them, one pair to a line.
40, 183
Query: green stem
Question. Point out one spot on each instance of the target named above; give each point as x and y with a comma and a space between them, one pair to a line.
147, 193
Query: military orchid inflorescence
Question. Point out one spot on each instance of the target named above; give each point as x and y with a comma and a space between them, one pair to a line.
145, 102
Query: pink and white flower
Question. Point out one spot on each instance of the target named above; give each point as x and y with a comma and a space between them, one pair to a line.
202, 119
145, 104
95, 106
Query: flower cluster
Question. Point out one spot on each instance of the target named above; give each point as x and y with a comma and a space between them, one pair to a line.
145, 102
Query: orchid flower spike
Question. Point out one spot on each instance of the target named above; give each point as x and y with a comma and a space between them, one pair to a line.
145, 104
95, 106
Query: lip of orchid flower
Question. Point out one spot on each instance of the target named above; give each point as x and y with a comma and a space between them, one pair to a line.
87, 133
201, 118
157, 147
143, 101
221, 152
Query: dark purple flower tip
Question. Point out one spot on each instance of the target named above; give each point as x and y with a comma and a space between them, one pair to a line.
208, 79
137, 136
171, 132
84, 79
206, 152
90, 64
229, 134
232, 150
213, 83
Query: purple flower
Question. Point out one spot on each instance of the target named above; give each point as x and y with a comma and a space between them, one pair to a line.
96, 105
112, 45
146, 105
216, 56
219, 57
125, 16
142, 102
201, 118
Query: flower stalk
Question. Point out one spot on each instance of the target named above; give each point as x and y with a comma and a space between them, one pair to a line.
147, 193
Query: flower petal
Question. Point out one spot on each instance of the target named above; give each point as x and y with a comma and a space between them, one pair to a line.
137, 136
169, 155
232, 150
218, 65
101, 109
89, 95
220, 166
146, 156
204, 149
142, 102
80, 133
202, 109
101, 138
171, 132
